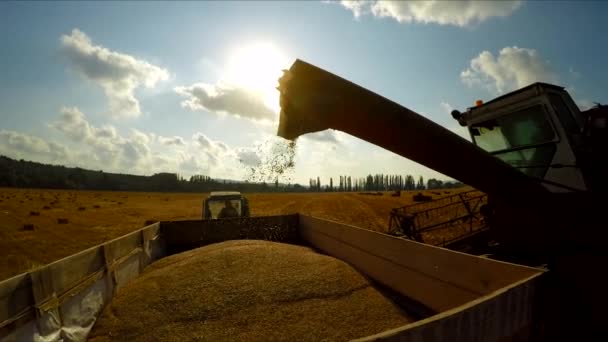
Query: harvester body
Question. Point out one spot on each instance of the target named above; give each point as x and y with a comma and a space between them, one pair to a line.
539, 159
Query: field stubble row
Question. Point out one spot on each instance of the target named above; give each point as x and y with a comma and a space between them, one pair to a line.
31, 235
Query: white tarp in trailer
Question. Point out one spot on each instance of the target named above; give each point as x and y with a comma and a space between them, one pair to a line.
61, 301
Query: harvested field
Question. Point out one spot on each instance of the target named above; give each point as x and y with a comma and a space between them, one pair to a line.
247, 291
109, 215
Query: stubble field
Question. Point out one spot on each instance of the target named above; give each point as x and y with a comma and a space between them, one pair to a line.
31, 235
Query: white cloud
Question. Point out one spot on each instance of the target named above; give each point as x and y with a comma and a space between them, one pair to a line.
106, 131
118, 74
140, 152
513, 68
446, 107
202, 140
19, 145
73, 123
134, 153
457, 13
140, 136
216, 152
358, 7
177, 141
102, 147
226, 99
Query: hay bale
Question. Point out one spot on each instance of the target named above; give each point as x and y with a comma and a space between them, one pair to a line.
247, 290
28, 227
419, 197
34, 213
62, 221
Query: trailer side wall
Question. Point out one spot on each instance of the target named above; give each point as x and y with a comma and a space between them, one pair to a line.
474, 299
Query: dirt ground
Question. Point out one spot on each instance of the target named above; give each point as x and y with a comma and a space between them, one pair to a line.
30, 235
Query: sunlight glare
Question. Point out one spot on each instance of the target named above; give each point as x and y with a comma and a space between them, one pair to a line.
257, 67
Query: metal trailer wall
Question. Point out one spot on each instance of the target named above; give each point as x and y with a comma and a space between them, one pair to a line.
475, 299
61, 301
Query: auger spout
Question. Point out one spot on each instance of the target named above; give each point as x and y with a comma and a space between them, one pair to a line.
313, 100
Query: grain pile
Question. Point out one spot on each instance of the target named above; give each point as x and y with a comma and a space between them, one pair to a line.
247, 291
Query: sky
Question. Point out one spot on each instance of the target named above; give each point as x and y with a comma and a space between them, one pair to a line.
189, 87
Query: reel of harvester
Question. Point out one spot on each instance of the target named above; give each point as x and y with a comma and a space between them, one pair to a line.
441, 222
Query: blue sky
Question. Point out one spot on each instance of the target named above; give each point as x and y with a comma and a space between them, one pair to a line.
148, 87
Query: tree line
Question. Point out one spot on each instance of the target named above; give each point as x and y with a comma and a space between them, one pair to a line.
27, 174
379, 182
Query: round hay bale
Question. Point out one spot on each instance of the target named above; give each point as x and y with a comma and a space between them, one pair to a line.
248, 290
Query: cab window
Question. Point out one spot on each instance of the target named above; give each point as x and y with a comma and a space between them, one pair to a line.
529, 126
216, 206
523, 139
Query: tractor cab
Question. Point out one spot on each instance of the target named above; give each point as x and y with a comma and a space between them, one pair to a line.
537, 129
218, 200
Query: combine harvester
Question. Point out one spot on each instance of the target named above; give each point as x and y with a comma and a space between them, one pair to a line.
541, 161
454, 296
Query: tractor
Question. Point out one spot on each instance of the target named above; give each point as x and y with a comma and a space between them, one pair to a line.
218, 200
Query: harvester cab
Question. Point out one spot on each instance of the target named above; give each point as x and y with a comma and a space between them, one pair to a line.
219, 201
538, 130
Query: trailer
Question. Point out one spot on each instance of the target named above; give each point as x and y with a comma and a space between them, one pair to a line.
454, 296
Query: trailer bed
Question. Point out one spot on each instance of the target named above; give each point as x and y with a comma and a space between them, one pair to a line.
458, 297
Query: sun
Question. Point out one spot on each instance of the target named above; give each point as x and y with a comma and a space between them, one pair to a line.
257, 67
